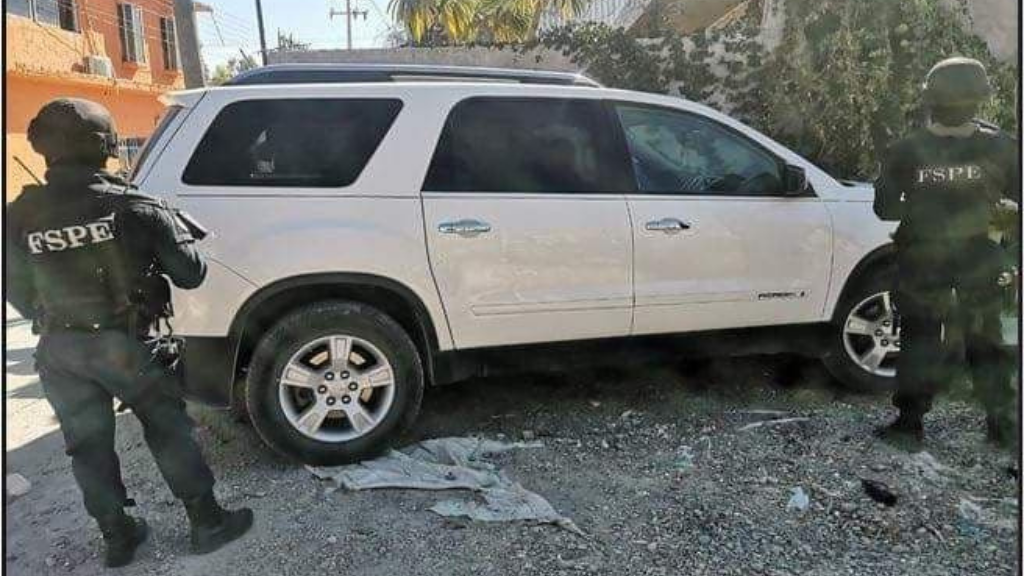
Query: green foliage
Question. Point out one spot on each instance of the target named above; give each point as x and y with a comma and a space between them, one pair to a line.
288, 43
224, 72
844, 82
461, 22
847, 78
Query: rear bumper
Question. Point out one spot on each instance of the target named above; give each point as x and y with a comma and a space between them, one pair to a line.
209, 370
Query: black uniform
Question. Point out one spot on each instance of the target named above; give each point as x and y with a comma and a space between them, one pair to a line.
78, 249
944, 190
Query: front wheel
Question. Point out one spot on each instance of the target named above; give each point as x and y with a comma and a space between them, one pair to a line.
865, 338
334, 383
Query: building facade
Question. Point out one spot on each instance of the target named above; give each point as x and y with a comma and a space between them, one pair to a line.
121, 54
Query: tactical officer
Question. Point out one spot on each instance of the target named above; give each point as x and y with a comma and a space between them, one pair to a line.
946, 183
87, 262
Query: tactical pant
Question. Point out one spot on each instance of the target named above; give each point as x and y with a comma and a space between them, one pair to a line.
948, 289
81, 373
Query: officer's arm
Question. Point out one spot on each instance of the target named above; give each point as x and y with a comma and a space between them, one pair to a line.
174, 248
21, 291
889, 190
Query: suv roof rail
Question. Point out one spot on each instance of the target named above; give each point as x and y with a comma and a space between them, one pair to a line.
348, 73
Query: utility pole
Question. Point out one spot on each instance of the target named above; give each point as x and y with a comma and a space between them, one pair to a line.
188, 43
348, 13
263, 35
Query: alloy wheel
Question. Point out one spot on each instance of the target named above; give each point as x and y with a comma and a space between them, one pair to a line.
871, 335
336, 388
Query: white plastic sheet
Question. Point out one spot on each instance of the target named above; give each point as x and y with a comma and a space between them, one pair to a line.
452, 464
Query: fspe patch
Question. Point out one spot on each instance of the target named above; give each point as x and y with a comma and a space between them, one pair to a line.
71, 237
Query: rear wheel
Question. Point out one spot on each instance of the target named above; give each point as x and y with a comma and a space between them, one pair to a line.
333, 383
865, 340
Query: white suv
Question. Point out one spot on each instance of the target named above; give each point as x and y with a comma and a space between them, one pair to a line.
379, 228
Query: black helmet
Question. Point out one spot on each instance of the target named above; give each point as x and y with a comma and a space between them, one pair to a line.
73, 128
957, 82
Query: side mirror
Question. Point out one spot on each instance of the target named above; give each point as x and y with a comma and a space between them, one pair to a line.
794, 181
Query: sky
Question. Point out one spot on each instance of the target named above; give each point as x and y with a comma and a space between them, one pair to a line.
232, 26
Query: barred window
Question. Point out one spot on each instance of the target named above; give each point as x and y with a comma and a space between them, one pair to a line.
60, 13
128, 150
133, 37
19, 8
169, 43
67, 15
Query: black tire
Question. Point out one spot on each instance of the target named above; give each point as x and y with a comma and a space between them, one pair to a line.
305, 325
837, 361
239, 410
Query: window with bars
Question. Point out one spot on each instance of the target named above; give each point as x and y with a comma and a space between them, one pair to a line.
133, 37
60, 13
128, 151
169, 43
67, 15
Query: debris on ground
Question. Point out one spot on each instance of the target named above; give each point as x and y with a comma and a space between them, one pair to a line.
928, 467
452, 464
879, 492
15, 486
773, 422
998, 513
725, 516
799, 500
771, 414
684, 459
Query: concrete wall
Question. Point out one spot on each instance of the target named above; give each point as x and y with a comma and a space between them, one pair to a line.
475, 56
997, 22
135, 113
45, 62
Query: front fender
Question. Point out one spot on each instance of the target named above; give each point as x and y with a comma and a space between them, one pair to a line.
860, 240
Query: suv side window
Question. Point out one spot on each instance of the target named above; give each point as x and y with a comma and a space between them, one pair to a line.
291, 142
680, 153
531, 145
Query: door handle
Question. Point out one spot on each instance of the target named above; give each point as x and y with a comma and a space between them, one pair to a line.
464, 227
667, 225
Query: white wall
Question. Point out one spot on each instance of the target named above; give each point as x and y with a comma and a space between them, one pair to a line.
996, 22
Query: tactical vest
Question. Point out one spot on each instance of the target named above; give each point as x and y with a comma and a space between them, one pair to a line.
951, 185
86, 269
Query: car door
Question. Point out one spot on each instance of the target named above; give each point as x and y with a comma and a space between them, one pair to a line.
718, 242
527, 226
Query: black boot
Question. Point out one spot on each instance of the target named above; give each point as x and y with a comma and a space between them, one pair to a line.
122, 534
213, 526
906, 429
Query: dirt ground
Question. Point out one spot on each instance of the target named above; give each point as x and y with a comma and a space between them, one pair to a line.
651, 463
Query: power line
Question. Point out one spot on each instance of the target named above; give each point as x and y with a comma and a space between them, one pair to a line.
348, 13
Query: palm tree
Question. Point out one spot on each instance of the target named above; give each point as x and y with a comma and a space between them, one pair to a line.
462, 21
434, 21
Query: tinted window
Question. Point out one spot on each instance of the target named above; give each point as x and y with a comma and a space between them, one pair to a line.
528, 145
679, 153
319, 143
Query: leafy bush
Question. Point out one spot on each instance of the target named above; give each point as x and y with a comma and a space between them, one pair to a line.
844, 81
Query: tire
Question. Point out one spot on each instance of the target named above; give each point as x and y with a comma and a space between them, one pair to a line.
304, 342
867, 297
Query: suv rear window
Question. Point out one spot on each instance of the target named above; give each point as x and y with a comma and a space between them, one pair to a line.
548, 145
291, 142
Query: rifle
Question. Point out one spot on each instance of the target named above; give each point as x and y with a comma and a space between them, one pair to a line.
29, 170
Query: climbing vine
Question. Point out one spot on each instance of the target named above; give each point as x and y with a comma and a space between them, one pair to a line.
842, 82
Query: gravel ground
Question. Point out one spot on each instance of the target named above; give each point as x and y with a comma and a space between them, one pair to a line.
650, 463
